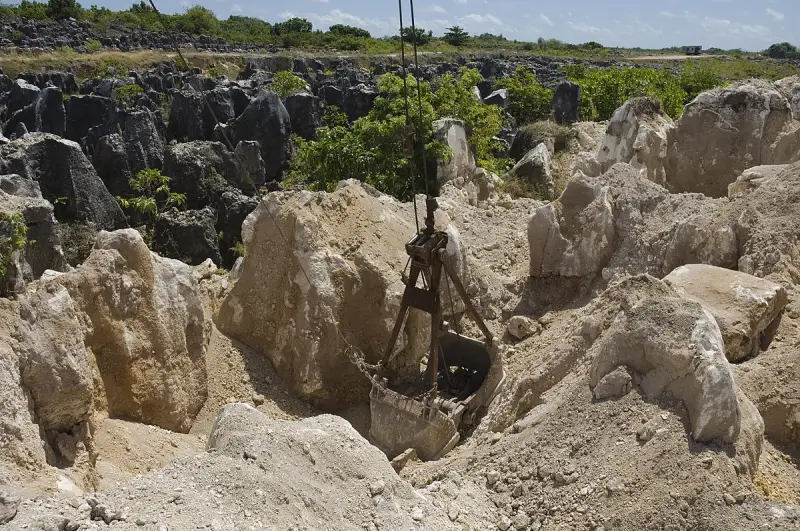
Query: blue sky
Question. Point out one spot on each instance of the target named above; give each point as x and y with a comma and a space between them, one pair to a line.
746, 24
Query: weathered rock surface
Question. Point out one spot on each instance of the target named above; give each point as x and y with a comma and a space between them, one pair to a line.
63, 171
566, 103
143, 145
266, 121
188, 236
574, 235
789, 87
354, 286
535, 169
744, 306
451, 134
110, 159
499, 97
305, 113
145, 329
20, 196
638, 134
725, 131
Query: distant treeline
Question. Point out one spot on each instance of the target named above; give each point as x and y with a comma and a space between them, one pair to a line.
300, 32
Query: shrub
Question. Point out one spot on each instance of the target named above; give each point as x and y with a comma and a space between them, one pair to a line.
155, 195
605, 90
13, 236
529, 136
349, 31
456, 36
284, 84
783, 50
528, 101
125, 96
93, 45
34, 10
694, 79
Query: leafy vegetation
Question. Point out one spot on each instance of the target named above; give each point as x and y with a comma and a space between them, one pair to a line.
125, 96
154, 194
285, 84
374, 148
13, 236
456, 36
783, 50
528, 100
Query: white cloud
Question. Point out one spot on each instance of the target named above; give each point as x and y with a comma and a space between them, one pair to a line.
337, 16
436, 8
482, 19
585, 28
320, 1
723, 26
462, 2
667, 14
777, 15
236, 8
286, 14
544, 18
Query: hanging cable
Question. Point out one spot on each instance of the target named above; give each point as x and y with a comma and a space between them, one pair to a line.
404, 73
419, 98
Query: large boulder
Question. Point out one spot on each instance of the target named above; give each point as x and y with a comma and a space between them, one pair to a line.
143, 144
354, 288
55, 367
145, 328
45, 114
188, 236
451, 133
86, 112
21, 95
574, 235
499, 97
204, 170
358, 101
534, 169
266, 121
745, 307
566, 103
64, 175
42, 251
305, 112
186, 117
218, 108
675, 347
637, 134
727, 130
110, 160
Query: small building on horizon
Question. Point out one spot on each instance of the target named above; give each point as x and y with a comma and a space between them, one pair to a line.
692, 50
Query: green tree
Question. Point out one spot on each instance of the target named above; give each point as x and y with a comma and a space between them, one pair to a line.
419, 37
292, 25
349, 31
13, 232
783, 50
456, 36
62, 9
141, 7
33, 10
197, 20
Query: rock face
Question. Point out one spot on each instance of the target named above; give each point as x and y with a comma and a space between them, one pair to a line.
451, 133
305, 112
186, 117
86, 112
234, 207
110, 159
22, 196
566, 103
55, 369
574, 235
744, 306
638, 134
266, 121
790, 89
676, 347
188, 236
725, 131
499, 97
45, 114
146, 330
144, 147
534, 168
204, 170
358, 101
63, 171
293, 320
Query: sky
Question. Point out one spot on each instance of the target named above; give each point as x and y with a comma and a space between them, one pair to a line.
746, 24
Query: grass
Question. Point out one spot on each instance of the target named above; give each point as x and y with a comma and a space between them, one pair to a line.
532, 134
